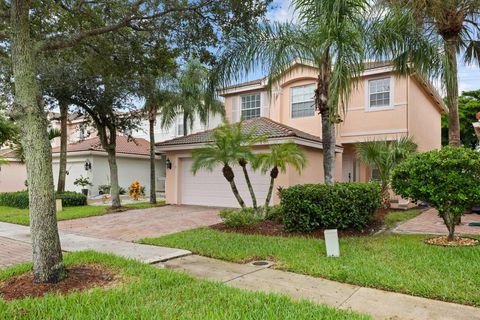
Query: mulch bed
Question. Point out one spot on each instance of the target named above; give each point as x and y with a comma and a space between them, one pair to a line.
274, 228
79, 278
458, 242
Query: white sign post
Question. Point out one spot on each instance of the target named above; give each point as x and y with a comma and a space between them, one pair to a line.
331, 242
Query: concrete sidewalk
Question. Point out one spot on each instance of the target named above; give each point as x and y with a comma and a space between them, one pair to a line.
73, 242
378, 303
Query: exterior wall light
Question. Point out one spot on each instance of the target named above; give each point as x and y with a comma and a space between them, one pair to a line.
168, 163
88, 165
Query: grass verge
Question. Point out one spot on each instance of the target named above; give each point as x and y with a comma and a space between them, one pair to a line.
148, 292
394, 217
401, 263
20, 216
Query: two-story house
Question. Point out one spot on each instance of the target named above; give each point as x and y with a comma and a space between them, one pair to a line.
382, 106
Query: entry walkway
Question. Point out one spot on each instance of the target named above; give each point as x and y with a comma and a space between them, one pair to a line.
428, 222
378, 303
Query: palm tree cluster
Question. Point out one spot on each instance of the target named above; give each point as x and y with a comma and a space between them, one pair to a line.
232, 145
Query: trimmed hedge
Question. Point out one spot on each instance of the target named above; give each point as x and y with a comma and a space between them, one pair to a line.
19, 199
72, 199
341, 206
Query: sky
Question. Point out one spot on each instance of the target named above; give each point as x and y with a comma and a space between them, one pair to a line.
468, 75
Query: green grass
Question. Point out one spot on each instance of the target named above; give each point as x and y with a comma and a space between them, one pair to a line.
147, 292
394, 217
401, 263
20, 216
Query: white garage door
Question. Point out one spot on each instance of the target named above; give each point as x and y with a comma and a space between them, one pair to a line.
212, 189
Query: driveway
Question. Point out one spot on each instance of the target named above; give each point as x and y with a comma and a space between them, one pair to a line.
142, 223
13, 252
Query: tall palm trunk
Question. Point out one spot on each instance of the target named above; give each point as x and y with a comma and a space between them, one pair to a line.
47, 257
328, 128
229, 175
185, 123
452, 91
243, 164
273, 176
62, 166
153, 193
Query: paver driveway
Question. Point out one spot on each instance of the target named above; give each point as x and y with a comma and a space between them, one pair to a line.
142, 223
13, 252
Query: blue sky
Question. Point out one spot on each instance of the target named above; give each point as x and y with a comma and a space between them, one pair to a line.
468, 75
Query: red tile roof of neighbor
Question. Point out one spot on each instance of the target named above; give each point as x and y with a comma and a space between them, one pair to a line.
124, 145
261, 126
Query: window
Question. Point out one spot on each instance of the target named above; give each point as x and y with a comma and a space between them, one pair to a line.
180, 128
303, 104
376, 175
379, 93
250, 106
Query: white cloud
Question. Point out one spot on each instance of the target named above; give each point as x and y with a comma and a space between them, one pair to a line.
282, 11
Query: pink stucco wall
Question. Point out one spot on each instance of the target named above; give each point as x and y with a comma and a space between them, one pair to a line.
13, 176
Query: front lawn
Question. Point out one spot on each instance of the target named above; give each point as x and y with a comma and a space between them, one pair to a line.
147, 292
401, 263
20, 216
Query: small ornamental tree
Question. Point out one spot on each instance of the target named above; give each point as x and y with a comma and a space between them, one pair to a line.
449, 179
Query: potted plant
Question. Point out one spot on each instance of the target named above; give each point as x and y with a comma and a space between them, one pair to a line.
104, 189
83, 182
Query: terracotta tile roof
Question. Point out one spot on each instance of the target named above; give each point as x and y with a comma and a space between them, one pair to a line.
262, 126
8, 153
124, 145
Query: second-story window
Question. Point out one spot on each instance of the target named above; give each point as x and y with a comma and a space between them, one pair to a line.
303, 104
250, 106
379, 93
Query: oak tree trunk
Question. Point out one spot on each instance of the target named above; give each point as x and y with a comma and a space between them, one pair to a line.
62, 171
243, 164
114, 187
452, 91
229, 175
328, 127
153, 194
47, 257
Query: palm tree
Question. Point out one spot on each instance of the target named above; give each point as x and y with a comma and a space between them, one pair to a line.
156, 94
231, 144
426, 36
192, 99
276, 160
384, 156
330, 35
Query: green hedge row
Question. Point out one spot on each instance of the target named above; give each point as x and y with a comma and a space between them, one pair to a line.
19, 199
341, 206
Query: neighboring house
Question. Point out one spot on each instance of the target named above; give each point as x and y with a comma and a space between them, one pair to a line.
13, 175
382, 106
133, 161
79, 129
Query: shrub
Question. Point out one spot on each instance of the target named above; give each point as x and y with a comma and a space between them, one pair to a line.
235, 218
275, 213
19, 199
343, 205
72, 199
135, 190
449, 179
104, 188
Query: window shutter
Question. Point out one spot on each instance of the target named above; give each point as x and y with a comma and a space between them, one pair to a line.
235, 109
265, 105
